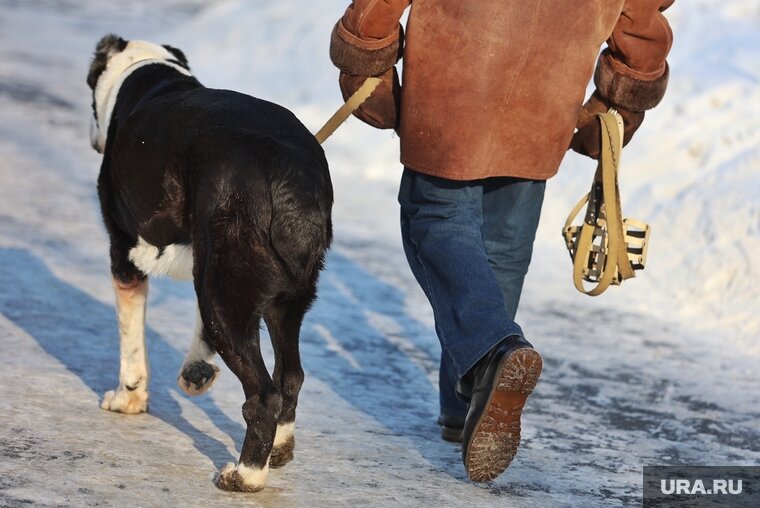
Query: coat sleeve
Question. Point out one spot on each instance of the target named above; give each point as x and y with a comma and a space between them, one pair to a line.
633, 72
368, 39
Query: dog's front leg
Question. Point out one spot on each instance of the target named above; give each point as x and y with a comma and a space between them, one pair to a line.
198, 371
131, 396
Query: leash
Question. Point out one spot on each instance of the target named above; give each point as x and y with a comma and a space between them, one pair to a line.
606, 249
353, 102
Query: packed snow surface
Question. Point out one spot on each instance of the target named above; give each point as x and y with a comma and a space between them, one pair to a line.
662, 370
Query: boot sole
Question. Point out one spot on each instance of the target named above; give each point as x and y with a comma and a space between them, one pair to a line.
496, 436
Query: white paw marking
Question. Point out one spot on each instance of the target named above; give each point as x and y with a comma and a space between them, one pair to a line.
242, 477
284, 433
122, 400
176, 260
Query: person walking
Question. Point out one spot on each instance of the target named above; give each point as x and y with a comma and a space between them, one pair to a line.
492, 98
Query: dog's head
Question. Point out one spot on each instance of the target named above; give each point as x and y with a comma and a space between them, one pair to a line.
114, 59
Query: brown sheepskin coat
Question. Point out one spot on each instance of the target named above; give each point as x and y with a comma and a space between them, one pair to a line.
495, 87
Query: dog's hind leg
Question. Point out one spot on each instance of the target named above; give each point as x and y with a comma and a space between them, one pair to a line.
261, 411
284, 324
230, 299
131, 396
198, 372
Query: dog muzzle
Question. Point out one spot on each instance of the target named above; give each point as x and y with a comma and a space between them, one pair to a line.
607, 248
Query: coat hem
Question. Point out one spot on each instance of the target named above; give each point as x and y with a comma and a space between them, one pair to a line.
465, 176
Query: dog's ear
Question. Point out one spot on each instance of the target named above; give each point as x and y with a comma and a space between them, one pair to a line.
107, 46
179, 55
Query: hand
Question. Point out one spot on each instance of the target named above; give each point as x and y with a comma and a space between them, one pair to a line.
587, 140
381, 109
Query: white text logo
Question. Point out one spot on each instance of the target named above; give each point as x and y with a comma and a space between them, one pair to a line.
681, 486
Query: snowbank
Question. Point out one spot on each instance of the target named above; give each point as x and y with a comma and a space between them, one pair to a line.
366, 427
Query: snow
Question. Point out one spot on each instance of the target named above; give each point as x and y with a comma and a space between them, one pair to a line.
659, 371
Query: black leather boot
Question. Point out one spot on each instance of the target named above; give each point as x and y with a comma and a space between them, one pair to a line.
498, 386
451, 428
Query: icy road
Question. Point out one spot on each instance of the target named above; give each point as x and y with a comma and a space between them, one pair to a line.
660, 371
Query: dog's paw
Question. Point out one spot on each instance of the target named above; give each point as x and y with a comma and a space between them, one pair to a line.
242, 478
283, 453
284, 445
126, 401
198, 377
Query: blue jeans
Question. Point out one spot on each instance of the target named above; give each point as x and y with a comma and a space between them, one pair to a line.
469, 244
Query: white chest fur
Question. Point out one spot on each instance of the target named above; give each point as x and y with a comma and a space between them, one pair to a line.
175, 260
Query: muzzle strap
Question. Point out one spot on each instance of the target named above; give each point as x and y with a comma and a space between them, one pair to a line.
606, 249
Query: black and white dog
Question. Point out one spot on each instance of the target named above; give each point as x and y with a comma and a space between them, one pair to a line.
230, 191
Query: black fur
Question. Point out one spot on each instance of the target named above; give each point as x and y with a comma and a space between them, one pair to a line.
245, 184
180, 58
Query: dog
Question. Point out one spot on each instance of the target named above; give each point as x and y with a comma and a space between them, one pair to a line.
225, 189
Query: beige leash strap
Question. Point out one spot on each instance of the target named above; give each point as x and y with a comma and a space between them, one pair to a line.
353, 102
606, 249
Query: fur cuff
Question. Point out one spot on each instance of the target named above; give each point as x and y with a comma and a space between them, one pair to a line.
356, 60
627, 91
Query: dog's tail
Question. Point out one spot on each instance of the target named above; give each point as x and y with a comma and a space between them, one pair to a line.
233, 268
271, 221
300, 230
